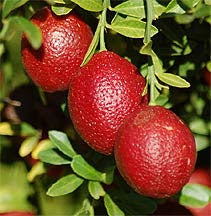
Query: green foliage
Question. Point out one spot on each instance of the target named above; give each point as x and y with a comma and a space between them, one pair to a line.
60, 9
52, 156
95, 189
132, 28
82, 168
111, 207
28, 145
195, 195
90, 5
65, 185
9, 6
60, 140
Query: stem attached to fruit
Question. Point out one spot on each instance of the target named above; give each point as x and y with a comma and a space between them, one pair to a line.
147, 39
103, 24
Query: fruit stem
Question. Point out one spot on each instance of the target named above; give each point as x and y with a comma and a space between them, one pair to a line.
103, 24
149, 15
147, 39
42, 96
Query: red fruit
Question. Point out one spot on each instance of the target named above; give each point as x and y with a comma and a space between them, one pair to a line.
155, 152
101, 95
207, 76
201, 176
65, 43
17, 214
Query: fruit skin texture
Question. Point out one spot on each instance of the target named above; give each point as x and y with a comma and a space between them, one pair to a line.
201, 176
155, 152
101, 95
65, 42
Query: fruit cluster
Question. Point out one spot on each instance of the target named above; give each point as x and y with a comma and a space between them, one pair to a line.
154, 150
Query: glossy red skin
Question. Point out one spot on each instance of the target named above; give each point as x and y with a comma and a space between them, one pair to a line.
155, 152
101, 95
65, 42
201, 176
17, 214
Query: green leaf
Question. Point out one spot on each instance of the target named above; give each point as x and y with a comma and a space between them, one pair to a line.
184, 18
32, 32
203, 11
65, 185
41, 146
52, 156
58, 1
90, 5
60, 9
189, 3
61, 141
173, 80
109, 174
199, 126
202, 142
161, 100
93, 45
86, 210
195, 195
28, 145
131, 8
83, 169
111, 207
95, 189
208, 2
174, 7
2, 49
147, 50
135, 8
9, 5
131, 28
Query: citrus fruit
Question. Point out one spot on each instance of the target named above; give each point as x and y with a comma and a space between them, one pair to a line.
155, 151
65, 42
101, 95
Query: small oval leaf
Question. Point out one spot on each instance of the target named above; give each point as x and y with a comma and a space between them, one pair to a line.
111, 207
28, 145
195, 195
52, 156
174, 8
131, 28
90, 5
65, 185
61, 141
173, 80
85, 170
36, 170
131, 8
60, 9
9, 5
41, 146
95, 189
135, 8
33, 33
